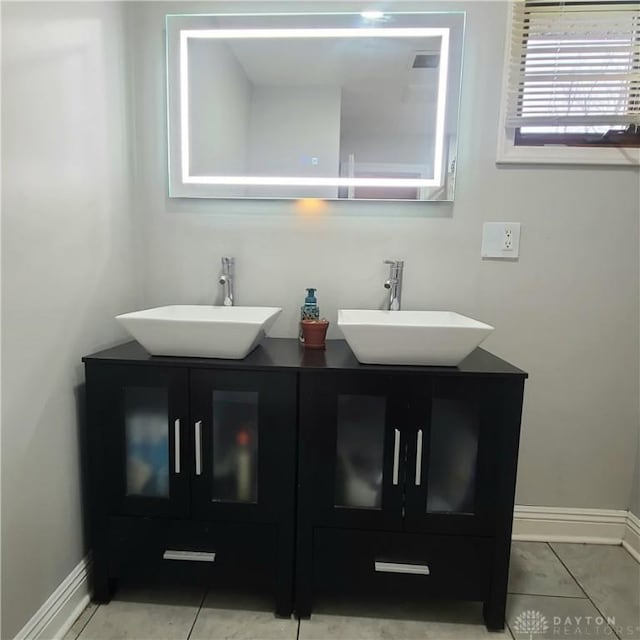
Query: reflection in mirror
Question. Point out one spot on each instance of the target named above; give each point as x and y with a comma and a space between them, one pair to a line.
335, 106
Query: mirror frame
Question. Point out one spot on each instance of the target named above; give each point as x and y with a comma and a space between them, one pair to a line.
182, 28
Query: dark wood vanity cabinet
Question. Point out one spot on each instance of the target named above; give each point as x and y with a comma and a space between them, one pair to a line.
394, 479
406, 484
192, 474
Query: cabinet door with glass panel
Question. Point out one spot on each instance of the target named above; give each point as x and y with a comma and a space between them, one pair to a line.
352, 450
452, 434
142, 414
243, 428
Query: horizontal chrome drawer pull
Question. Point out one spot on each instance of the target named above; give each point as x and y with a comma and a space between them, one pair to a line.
400, 567
191, 556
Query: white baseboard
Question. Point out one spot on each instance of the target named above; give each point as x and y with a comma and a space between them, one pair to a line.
552, 524
55, 617
631, 540
587, 526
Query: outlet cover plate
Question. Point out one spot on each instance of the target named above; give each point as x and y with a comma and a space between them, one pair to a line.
496, 238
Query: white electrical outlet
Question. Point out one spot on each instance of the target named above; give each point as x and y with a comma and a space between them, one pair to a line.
507, 243
500, 240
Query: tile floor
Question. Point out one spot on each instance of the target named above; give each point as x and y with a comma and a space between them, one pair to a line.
556, 591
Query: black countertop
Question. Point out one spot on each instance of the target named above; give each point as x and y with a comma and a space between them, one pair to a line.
287, 354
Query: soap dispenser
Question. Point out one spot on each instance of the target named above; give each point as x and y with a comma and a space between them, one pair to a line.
309, 310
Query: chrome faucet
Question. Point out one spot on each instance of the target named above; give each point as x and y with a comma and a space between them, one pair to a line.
394, 284
226, 279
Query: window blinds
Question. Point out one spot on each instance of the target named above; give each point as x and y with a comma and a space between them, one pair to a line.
574, 63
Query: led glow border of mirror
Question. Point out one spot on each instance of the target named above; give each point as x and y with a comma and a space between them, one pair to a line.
286, 181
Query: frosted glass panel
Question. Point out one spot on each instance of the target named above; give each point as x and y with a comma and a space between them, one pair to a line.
146, 412
360, 451
235, 446
453, 453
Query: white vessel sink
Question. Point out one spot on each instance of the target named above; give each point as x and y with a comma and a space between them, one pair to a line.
200, 331
439, 338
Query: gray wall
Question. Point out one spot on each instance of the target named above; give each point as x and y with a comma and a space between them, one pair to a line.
67, 269
567, 311
634, 503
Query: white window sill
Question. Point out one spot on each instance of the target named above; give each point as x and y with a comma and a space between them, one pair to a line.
508, 153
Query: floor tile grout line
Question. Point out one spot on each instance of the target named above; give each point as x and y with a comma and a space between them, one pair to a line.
193, 624
575, 579
84, 626
595, 606
548, 595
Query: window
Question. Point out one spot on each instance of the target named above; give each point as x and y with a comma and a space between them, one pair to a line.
572, 85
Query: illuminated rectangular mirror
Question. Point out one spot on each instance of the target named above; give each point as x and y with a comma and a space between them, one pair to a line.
353, 106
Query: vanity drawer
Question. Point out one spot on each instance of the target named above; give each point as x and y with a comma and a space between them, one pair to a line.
234, 553
379, 562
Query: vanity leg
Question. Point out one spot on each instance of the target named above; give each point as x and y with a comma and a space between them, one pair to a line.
102, 584
98, 522
493, 612
303, 610
304, 568
309, 465
507, 444
303, 599
284, 605
494, 607
284, 572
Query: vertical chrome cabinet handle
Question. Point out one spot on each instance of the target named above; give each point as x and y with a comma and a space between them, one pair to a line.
396, 456
419, 458
176, 445
198, 428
